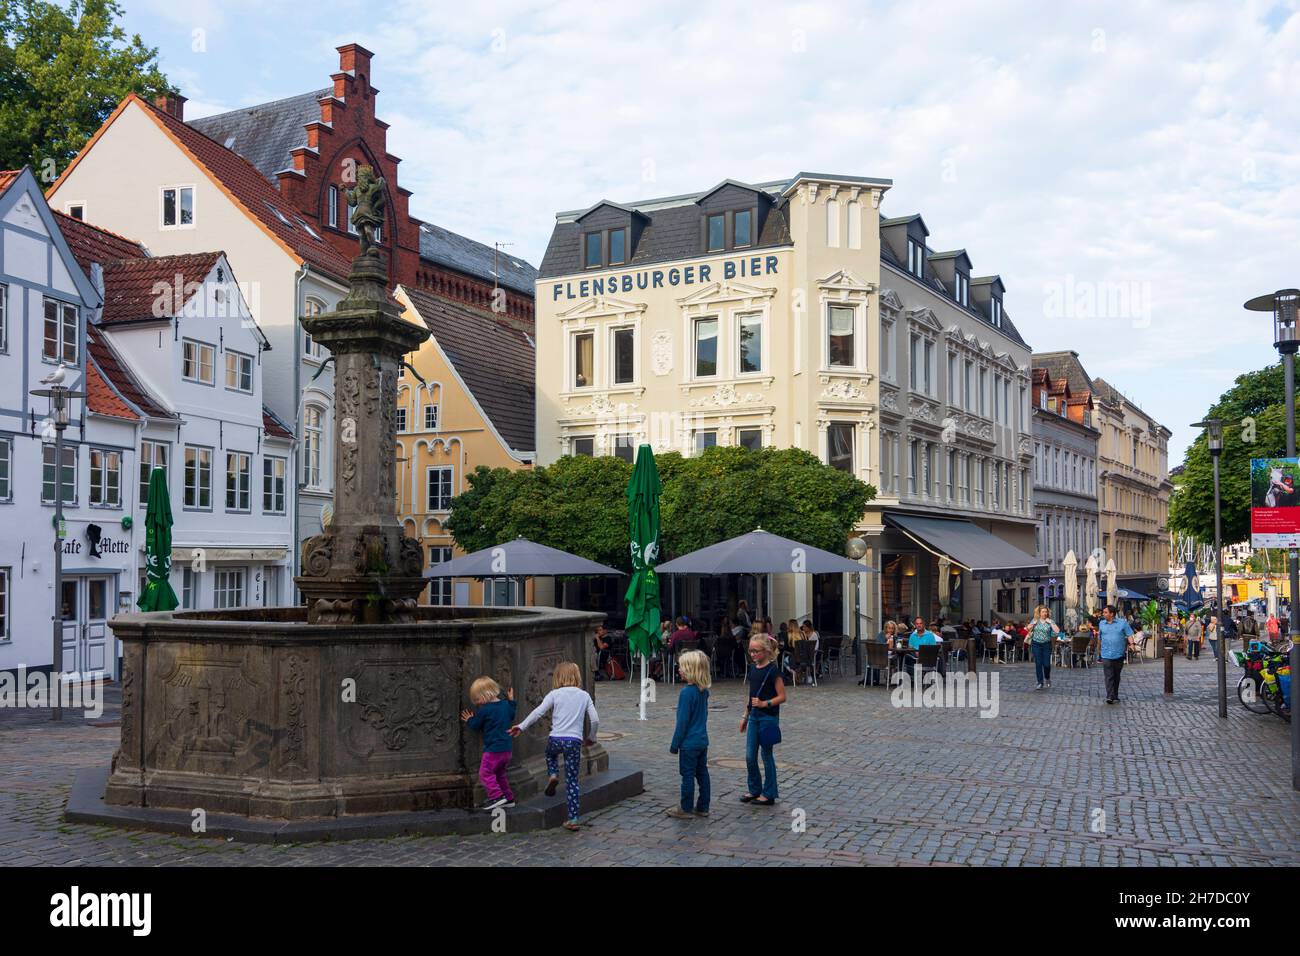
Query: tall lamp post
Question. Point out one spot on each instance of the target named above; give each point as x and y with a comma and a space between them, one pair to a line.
1214, 439
60, 403
1284, 304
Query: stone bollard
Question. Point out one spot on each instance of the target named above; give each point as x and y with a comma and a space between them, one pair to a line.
1169, 668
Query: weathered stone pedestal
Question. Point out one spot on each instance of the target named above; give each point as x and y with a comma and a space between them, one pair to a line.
261, 714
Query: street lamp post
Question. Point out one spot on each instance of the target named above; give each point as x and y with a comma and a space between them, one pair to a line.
1214, 439
60, 402
1284, 304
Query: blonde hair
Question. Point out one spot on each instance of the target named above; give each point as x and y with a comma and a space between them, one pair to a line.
567, 675
484, 689
694, 666
766, 642
1042, 607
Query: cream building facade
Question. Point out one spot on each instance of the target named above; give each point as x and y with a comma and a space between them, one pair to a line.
779, 314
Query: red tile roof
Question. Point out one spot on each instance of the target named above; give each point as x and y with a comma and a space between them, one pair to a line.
100, 397
132, 286
95, 244
117, 374
7, 176
250, 189
273, 426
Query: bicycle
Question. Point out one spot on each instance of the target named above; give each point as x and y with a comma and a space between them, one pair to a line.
1265, 684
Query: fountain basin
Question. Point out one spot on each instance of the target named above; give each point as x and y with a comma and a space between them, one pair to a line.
256, 712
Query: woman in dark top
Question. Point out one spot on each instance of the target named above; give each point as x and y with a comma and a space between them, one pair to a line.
761, 723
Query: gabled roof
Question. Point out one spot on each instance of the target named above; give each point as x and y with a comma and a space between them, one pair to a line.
7, 176
474, 258
274, 426
1065, 365
612, 205
731, 182
901, 220
267, 133
131, 286
497, 363
121, 391
96, 244
239, 180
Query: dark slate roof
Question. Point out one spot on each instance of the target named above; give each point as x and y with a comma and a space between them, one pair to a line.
496, 362
672, 233
932, 283
451, 249
264, 134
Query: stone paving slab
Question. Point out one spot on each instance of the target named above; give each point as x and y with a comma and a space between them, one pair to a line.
1057, 778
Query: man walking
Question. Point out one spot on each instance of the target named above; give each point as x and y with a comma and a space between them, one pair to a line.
1114, 645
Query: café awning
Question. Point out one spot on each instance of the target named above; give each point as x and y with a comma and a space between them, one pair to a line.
967, 545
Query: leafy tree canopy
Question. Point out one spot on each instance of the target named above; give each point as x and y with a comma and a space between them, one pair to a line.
1254, 416
578, 504
63, 70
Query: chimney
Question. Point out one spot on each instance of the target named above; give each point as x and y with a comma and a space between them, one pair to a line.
356, 59
171, 103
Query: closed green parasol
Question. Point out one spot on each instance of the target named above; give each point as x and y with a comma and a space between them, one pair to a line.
643, 531
158, 594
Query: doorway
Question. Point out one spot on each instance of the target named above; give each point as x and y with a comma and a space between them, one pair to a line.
84, 610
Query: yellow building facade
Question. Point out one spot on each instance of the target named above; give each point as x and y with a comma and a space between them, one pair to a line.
469, 403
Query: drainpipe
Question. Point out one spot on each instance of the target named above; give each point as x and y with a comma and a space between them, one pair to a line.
294, 570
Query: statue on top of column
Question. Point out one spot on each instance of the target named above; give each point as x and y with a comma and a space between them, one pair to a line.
368, 201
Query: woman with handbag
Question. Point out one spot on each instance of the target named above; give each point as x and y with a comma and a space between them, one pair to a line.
761, 723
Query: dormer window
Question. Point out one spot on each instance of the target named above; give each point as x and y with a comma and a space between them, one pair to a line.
717, 232
617, 246
963, 289
995, 312
916, 258
743, 228
605, 248
593, 258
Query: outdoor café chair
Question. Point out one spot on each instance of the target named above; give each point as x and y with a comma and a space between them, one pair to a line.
877, 658
807, 659
927, 657
1079, 645
833, 653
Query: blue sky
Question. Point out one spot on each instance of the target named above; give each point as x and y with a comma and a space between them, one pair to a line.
1128, 168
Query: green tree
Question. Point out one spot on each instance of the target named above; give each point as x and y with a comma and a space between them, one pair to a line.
63, 70
578, 503
1254, 416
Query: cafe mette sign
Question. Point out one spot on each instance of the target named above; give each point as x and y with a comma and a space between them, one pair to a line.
743, 267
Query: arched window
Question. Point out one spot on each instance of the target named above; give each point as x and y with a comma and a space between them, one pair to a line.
309, 348
312, 436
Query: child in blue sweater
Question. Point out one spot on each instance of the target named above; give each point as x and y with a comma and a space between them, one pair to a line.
493, 718
691, 738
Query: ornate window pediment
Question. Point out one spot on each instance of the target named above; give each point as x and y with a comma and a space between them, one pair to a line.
845, 282
889, 301
603, 307
727, 290
925, 318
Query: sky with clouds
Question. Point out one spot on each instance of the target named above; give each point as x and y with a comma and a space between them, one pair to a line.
1128, 168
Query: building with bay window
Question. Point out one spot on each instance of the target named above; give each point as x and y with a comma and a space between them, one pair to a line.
790, 313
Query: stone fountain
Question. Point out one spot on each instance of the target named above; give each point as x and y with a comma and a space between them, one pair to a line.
341, 717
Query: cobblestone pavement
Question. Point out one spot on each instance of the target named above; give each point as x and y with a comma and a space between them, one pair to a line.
873, 783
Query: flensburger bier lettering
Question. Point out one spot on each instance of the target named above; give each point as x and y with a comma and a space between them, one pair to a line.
745, 267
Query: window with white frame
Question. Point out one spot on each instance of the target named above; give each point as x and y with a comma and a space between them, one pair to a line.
439, 588
927, 372
153, 454
67, 474
6, 469
228, 588
979, 482
886, 461
239, 479
952, 475
198, 478
840, 337
839, 446
623, 355
401, 418
996, 312
431, 417
984, 388
274, 470
312, 436
584, 360
887, 359
965, 479
749, 343
239, 372
332, 213
105, 478
197, 362
750, 438
963, 289
440, 493
4, 318
584, 446
312, 349
189, 588
6, 574
916, 258
953, 380
897, 460
177, 207
705, 439
705, 338
913, 466
969, 389
61, 339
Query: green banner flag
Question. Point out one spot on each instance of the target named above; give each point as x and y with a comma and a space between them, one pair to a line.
158, 594
643, 531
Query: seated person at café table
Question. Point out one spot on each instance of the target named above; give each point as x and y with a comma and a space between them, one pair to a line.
921, 635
